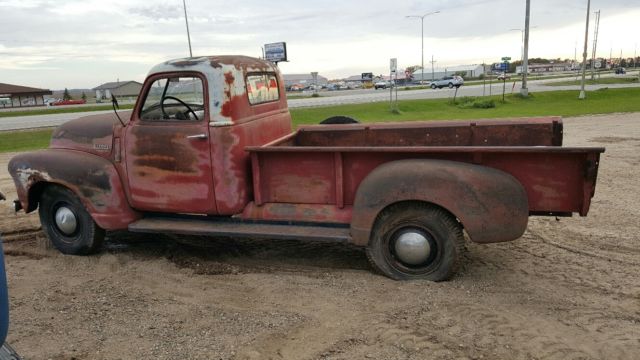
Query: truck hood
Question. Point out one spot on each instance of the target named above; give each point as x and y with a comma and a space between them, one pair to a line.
92, 134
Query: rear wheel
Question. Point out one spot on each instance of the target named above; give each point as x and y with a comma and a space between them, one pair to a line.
67, 223
416, 241
433, 86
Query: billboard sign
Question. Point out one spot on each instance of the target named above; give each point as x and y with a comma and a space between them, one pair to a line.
367, 76
501, 66
275, 52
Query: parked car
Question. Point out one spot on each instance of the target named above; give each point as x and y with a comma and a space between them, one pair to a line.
448, 81
621, 71
194, 160
68, 102
382, 85
504, 76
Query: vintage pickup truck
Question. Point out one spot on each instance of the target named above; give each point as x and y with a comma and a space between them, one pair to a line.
209, 150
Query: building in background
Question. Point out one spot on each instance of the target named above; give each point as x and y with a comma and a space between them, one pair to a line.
302, 79
546, 68
121, 89
18, 96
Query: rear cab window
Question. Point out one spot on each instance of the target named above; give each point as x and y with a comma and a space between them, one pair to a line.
262, 88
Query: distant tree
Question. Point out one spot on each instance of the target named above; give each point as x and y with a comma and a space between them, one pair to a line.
84, 96
66, 95
411, 69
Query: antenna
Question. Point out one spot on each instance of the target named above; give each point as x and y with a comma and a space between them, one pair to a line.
114, 103
186, 21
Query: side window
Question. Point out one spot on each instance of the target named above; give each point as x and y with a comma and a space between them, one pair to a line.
262, 88
179, 98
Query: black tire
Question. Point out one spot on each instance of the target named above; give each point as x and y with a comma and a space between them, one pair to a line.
433, 86
87, 236
339, 120
442, 231
450, 85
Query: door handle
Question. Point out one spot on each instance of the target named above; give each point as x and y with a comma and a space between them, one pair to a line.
199, 136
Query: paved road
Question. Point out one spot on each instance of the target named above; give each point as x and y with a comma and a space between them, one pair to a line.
336, 98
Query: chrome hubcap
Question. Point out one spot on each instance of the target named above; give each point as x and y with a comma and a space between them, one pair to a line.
66, 220
412, 248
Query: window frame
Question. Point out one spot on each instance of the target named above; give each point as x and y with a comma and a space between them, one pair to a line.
166, 75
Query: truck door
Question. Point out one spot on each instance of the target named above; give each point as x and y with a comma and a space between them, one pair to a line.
168, 159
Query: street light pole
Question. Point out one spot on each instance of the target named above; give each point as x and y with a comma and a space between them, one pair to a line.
525, 61
421, 17
584, 53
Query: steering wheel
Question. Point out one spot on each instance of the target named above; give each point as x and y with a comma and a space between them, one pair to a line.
189, 109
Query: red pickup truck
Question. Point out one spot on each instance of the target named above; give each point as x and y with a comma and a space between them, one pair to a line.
208, 150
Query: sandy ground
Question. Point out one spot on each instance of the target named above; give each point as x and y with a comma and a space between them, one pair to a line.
568, 289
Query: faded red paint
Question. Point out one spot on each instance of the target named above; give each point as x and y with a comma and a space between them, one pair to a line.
92, 178
331, 163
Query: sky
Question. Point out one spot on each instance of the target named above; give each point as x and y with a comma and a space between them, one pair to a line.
59, 44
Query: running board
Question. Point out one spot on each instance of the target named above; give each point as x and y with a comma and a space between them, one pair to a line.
239, 229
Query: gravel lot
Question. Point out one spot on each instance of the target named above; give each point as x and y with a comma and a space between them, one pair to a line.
568, 289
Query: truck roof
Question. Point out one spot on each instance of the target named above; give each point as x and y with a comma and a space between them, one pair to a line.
215, 64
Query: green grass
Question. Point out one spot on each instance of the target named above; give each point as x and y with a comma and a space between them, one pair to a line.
563, 103
11, 141
56, 110
607, 80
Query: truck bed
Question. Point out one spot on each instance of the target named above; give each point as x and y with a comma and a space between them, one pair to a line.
318, 169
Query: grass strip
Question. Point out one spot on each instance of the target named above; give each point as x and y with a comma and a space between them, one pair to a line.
607, 80
62, 110
563, 103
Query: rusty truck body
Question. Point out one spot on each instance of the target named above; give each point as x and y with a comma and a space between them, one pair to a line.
209, 150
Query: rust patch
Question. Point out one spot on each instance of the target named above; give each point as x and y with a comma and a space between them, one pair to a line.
229, 78
152, 151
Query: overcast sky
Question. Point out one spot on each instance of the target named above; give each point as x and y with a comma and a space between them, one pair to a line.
81, 44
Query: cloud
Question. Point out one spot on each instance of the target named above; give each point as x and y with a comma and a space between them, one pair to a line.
86, 39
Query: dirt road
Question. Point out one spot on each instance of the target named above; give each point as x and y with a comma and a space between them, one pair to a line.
568, 289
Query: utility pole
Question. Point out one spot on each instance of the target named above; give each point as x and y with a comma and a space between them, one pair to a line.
595, 44
421, 17
432, 62
584, 53
611, 57
525, 61
184, 4
620, 63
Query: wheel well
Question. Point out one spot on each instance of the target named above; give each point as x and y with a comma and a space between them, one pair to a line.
35, 193
391, 206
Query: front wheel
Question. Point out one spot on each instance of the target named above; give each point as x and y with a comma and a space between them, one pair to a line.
67, 223
450, 85
416, 241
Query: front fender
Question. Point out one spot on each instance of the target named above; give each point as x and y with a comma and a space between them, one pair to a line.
491, 204
92, 178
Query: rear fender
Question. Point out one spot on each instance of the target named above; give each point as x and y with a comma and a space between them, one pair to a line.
491, 204
92, 178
